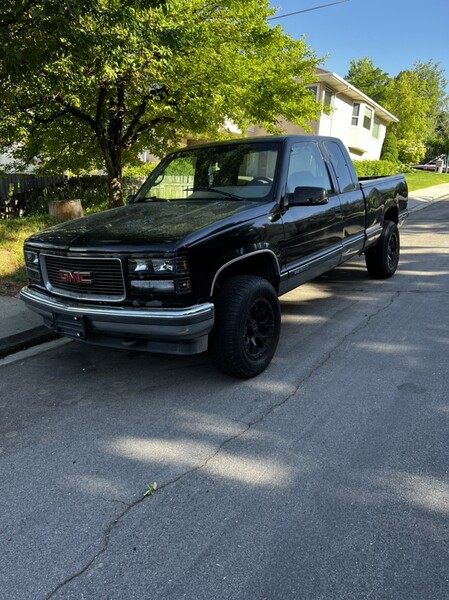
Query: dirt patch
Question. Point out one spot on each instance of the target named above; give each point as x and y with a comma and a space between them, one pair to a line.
10, 288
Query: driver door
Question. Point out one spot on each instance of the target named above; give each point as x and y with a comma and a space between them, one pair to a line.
313, 234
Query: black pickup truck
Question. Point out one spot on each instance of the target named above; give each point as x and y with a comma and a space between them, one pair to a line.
198, 257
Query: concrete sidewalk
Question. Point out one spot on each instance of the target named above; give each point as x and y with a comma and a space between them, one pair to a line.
20, 328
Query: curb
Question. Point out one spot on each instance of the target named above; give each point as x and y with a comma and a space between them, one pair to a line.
426, 201
26, 339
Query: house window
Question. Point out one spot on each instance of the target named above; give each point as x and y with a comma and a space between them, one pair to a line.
313, 89
376, 128
367, 117
355, 114
327, 98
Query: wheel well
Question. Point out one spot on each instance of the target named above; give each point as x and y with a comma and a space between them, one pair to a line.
262, 265
392, 214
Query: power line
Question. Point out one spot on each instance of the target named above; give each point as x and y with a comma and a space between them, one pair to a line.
306, 10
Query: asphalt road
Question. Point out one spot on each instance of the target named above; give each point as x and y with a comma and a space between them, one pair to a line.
324, 478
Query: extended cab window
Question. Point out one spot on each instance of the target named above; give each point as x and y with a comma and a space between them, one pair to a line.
346, 182
307, 168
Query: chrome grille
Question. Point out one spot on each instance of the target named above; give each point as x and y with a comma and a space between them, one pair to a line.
84, 278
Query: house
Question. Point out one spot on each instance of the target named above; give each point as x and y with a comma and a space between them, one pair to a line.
354, 117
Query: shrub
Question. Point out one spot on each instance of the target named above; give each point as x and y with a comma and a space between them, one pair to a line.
411, 152
390, 149
405, 169
138, 171
375, 168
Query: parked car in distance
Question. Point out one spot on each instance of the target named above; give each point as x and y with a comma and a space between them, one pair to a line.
440, 162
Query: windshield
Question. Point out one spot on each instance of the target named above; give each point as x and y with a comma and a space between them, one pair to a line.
234, 171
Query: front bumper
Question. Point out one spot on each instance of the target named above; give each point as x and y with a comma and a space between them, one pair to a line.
166, 330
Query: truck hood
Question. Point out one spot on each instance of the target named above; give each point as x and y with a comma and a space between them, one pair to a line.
141, 224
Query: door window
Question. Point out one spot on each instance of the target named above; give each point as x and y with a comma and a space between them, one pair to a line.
307, 168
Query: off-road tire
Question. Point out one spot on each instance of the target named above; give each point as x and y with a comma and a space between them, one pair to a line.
382, 260
247, 326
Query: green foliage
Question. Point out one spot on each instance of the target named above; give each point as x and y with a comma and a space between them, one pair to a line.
86, 85
138, 171
375, 168
151, 489
13, 233
403, 168
433, 85
434, 147
439, 142
368, 79
415, 96
411, 152
390, 149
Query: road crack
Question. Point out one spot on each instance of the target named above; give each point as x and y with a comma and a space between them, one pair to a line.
247, 426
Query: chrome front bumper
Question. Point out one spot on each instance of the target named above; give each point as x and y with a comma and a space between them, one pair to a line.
167, 330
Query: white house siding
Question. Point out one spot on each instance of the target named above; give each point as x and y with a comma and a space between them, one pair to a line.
360, 142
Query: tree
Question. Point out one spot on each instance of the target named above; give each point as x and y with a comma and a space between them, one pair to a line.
439, 142
369, 79
89, 83
390, 150
433, 86
416, 96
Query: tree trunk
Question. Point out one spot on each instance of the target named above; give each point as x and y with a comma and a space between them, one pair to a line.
115, 190
113, 160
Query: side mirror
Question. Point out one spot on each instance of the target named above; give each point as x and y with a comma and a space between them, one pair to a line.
130, 199
309, 196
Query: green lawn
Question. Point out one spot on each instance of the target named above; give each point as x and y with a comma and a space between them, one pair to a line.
419, 180
12, 235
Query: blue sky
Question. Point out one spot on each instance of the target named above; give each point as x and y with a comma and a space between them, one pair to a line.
394, 34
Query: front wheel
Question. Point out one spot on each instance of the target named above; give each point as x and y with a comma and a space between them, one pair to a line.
247, 326
382, 260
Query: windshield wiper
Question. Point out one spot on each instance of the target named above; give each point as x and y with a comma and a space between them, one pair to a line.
215, 191
151, 199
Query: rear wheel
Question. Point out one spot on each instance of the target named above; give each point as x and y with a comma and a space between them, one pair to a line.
382, 260
247, 326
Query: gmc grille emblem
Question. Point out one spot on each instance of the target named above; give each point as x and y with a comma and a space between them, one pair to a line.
83, 277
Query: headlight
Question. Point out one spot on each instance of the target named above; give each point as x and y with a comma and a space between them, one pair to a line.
32, 266
31, 259
159, 275
153, 266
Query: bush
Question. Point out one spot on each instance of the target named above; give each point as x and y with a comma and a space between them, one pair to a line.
411, 152
390, 149
375, 168
138, 171
406, 169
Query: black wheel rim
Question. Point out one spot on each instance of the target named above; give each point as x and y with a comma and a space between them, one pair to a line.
392, 251
259, 328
